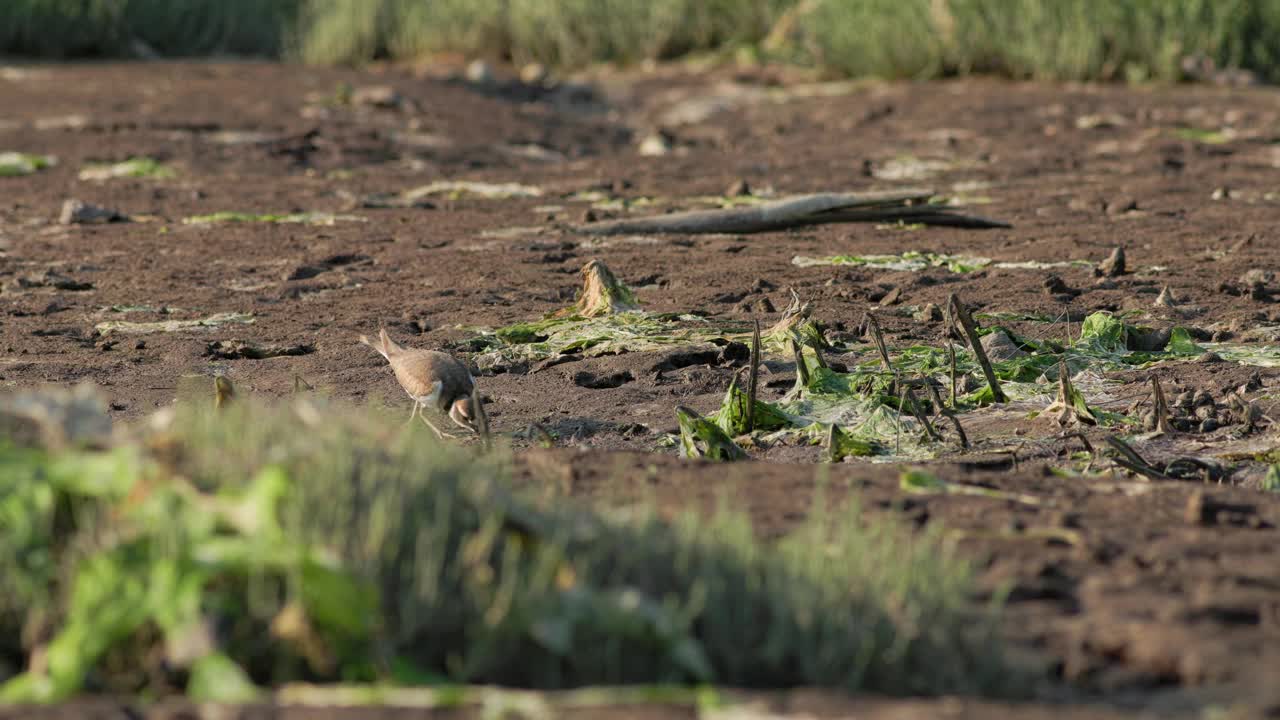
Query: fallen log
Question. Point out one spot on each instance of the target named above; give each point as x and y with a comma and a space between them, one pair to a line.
911, 206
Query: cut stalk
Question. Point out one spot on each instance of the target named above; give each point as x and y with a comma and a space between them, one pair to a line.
753, 378
960, 314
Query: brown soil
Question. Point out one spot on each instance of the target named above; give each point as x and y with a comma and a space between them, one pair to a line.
1136, 599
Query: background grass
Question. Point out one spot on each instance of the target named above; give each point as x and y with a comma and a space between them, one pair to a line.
1135, 40
320, 543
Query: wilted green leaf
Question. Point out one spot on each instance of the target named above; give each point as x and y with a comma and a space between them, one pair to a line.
216, 678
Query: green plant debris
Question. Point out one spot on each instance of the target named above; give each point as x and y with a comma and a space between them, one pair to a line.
913, 261
841, 445
605, 320
732, 415
14, 164
1271, 481
703, 438
135, 167
921, 482
311, 541
457, 189
1246, 354
1208, 137
167, 326
307, 218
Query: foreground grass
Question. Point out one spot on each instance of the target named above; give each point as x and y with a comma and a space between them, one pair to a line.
216, 553
1134, 40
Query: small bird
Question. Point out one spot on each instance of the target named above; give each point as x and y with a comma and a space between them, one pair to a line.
431, 378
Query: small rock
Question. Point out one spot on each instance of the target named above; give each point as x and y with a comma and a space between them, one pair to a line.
762, 285
739, 188
1105, 283
1209, 425
1184, 400
1209, 357
1204, 412
1151, 341
735, 352
140, 345
1257, 276
656, 145
892, 297
534, 74
76, 212
755, 306
1054, 285
929, 313
1113, 266
1000, 347
1201, 398
1120, 206
380, 96
479, 72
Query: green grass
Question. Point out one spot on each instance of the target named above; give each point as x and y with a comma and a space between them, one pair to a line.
316, 542
1134, 40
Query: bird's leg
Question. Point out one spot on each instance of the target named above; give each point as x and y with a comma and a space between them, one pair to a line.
439, 433
413, 411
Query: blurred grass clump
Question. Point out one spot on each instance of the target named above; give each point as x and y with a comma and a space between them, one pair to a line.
1134, 40
116, 28
220, 552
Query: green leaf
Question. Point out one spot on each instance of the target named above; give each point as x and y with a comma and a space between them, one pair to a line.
921, 482
1180, 343
1104, 332
732, 415
216, 678
702, 438
841, 445
1271, 482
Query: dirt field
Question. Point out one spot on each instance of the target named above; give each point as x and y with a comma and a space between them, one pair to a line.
1161, 595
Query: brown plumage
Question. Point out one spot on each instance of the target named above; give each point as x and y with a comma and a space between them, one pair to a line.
431, 378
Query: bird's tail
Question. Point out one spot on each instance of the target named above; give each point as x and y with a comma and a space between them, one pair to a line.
389, 346
381, 349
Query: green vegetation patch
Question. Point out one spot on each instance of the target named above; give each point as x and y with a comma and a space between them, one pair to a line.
14, 164
136, 167
606, 319
256, 546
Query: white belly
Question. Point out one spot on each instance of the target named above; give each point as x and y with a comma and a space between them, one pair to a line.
433, 398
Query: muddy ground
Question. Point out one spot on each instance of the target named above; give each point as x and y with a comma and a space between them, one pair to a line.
1155, 595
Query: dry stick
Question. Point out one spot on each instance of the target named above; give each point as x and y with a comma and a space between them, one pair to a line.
919, 414
1084, 441
1130, 459
1161, 407
877, 337
795, 212
753, 378
802, 370
942, 410
951, 351
961, 314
